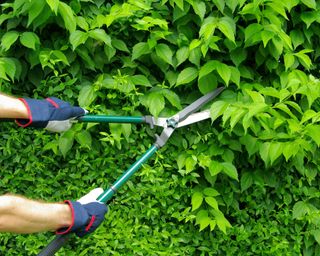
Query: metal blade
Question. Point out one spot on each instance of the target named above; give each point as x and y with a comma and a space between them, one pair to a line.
194, 118
193, 107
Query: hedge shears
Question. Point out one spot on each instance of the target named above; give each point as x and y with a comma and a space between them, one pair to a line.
184, 117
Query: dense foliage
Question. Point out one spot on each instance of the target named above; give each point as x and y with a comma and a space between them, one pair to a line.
243, 184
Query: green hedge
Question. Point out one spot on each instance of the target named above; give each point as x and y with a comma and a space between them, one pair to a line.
243, 184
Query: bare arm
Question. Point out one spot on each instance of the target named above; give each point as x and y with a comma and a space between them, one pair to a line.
11, 107
22, 215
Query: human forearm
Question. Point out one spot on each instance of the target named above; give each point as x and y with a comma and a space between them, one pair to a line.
11, 107
21, 215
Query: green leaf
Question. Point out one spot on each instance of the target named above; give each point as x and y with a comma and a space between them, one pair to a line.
230, 170
225, 72
199, 8
77, 37
196, 200
208, 68
222, 222
140, 80
190, 164
215, 168
212, 202
140, 49
228, 27
207, 83
100, 34
246, 181
310, 3
84, 139
154, 101
275, 150
68, 17
316, 235
264, 150
54, 5
208, 27
35, 10
66, 142
252, 34
164, 52
120, 45
313, 132
8, 39
182, 55
29, 40
202, 219
217, 109
172, 97
300, 209
210, 192
219, 4
187, 75
288, 60
86, 96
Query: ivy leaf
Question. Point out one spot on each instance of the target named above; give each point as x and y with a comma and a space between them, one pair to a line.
68, 17
230, 170
8, 39
187, 75
164, 52
77, 37
100, 34
196, 200
29, 40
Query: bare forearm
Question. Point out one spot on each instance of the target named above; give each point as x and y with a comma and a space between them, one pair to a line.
21, 215
11, 107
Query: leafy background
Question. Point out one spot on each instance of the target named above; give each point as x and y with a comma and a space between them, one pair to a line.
244, 184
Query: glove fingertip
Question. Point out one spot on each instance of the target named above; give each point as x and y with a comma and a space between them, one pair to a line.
78, 111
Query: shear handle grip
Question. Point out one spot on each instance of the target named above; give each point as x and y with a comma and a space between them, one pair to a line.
55, 245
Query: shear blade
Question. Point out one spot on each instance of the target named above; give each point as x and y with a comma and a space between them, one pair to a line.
194, 118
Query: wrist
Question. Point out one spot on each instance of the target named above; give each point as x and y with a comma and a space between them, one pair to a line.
12, 108
65, 213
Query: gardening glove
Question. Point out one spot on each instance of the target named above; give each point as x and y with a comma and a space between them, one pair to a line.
87, 214
51, 113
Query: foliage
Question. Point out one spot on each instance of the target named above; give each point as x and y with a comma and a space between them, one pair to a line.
251, 173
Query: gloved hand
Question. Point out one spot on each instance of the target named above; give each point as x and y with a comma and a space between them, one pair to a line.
51, 113
87, 214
